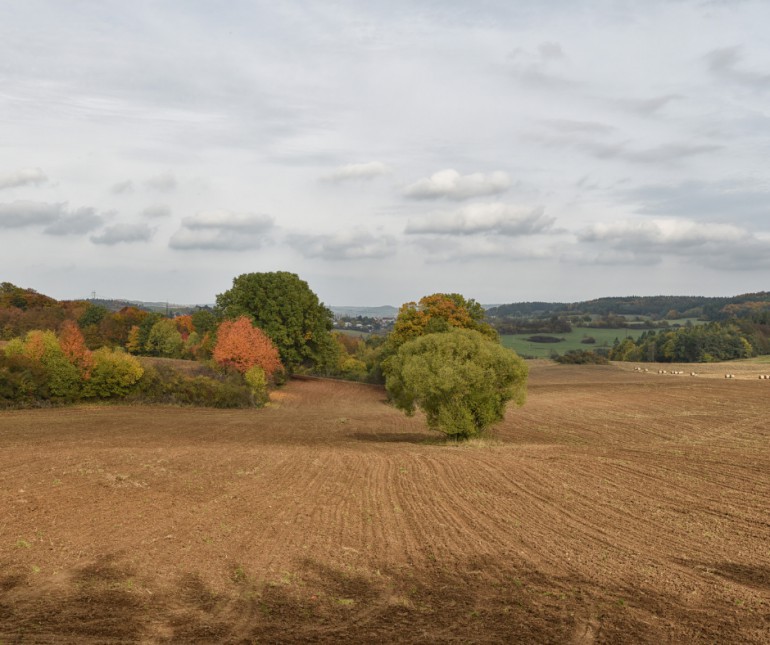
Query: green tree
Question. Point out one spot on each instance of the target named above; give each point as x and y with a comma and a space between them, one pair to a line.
287, 310
461, 380
164, 339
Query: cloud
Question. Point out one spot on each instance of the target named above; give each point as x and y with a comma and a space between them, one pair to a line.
723, 63
55, 217
162, 183
221, 230
440, 248
657, 154
585, 136
357, 171
450, 184
648, 106
21, 214
354, 245
567, 126
157, 211
122, 187
713, 245
660, 234
23, 177
537, 68
741, 199
123, 233
491, 218
83, 220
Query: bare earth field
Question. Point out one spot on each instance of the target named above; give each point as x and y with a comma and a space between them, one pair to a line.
615, 507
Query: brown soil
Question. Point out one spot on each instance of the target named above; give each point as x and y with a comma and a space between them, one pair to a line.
615, 507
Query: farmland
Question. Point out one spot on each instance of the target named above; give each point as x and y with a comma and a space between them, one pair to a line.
615, 506
604, 338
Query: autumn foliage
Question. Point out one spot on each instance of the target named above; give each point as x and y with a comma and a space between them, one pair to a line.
242, 345
74, 347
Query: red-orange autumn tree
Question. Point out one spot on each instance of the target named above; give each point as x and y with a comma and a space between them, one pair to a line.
74, 347
242, 345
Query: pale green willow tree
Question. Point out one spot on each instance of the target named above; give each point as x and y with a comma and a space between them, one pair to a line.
460, 379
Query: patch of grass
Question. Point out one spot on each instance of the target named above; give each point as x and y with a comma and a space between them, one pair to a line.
23, 544
239, 575
604, 339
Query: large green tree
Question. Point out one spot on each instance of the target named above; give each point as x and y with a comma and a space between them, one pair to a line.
287, 310
460, 378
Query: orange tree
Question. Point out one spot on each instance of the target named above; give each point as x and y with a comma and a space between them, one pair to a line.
241, 345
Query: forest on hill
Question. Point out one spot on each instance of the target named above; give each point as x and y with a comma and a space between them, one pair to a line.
652, 307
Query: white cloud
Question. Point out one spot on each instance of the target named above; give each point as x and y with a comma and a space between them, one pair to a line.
450, 184
354, 245
123, 233
23, 177
222, 230
358, 171
714, 245
662, 234
490, 218
21, 214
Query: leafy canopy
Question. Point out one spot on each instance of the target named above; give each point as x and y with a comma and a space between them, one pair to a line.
459, 378
439, 312
286, 309
243, 346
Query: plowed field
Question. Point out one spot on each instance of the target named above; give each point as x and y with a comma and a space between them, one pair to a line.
615, 507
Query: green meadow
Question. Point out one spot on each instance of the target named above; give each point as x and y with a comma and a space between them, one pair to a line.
604, 338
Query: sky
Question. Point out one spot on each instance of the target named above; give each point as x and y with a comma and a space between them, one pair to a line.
507, 150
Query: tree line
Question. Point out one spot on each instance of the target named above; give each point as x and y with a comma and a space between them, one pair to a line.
441, 356
711, 342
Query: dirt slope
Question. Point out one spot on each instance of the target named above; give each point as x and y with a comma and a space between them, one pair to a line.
616, 506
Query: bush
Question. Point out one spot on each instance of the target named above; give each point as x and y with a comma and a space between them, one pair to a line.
114, 373
165, 385
256, 379
581, 357
23, 381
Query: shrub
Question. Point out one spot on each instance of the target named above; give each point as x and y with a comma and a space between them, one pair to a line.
256, 379
163, 384
23, 381
114, 373
581, 357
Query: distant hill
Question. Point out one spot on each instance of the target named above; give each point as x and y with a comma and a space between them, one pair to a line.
385, 311
711, 308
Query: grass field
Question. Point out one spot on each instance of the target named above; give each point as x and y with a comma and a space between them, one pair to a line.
614, 507
604, 338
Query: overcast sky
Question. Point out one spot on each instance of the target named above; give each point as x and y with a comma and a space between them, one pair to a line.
505, 149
